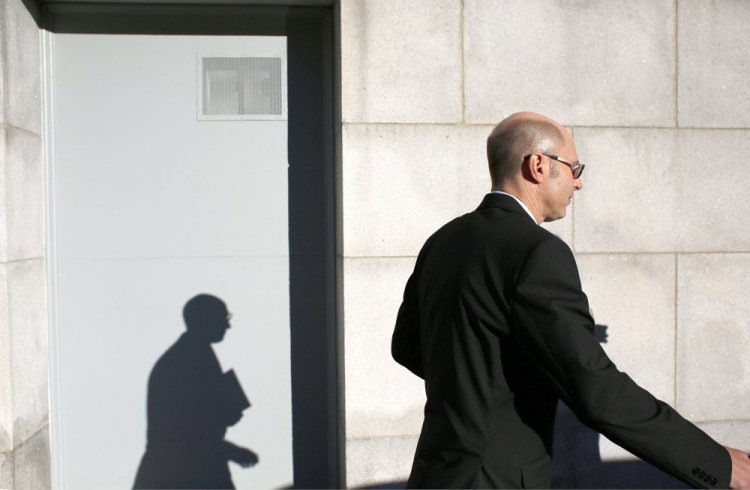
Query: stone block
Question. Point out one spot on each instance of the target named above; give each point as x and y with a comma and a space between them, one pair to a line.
713, 336
3, 192
27, 308
640, 192
714, 39
582, 63
402, 182
21, 66
382, 397
401, 61
6, 400
633, 296
732, 433
383, 462
3, 15
32, 463
6, 470
23, 177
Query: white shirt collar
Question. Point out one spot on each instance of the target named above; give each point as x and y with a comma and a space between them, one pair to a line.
525, 208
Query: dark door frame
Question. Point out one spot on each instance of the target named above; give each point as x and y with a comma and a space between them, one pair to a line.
316, 343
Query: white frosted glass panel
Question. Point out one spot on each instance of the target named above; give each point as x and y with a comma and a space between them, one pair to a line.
138, 175
150, 207
118, 317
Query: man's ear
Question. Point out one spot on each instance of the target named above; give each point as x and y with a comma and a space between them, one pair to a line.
535, 169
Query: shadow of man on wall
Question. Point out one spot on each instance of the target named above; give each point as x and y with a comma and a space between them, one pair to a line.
191, 403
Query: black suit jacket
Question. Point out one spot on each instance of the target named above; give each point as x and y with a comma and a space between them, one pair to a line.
495, 322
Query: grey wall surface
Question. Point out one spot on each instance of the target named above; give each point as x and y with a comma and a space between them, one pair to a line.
24, 406
656, 94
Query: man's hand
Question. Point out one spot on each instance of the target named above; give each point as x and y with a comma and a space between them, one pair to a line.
740, 469
244, 457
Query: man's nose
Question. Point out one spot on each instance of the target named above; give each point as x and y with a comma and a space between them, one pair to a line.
578, 184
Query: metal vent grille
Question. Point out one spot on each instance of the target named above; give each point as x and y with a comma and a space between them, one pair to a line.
242, 87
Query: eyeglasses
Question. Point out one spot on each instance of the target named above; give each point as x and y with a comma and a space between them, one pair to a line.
576, 167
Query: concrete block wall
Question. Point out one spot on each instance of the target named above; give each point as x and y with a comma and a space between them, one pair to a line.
656, 94
24, 405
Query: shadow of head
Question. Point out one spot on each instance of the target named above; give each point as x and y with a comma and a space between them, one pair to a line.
206, 318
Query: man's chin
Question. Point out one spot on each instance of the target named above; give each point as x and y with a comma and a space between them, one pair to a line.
550, 219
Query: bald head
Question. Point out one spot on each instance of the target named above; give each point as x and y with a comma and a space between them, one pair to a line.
515, 137
206, 318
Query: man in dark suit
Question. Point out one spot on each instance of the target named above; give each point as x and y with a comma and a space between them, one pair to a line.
495, 322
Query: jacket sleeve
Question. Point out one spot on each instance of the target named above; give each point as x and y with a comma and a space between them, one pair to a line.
552, 323
405, 344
